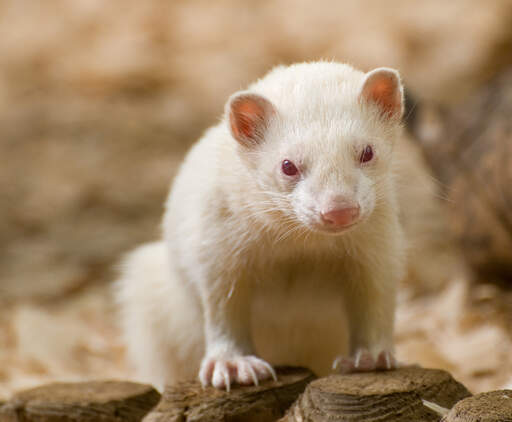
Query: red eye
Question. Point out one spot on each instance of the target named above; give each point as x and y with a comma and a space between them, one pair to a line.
289, 168
366, 155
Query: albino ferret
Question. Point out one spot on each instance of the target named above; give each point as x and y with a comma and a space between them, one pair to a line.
283, 241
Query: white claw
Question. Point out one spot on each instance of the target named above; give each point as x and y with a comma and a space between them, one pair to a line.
247, 370
253, 375
203, 377
336, 363
271, 370
363, 361
227, 381
388, 360
358, 359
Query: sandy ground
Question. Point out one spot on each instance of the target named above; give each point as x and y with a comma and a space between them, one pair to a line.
99, 101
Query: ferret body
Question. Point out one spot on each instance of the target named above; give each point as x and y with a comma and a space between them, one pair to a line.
282, 237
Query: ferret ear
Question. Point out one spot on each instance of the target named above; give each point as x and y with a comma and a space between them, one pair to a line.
249, 115
383, 87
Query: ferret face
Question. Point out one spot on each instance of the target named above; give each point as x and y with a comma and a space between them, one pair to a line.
323, 164
328, 180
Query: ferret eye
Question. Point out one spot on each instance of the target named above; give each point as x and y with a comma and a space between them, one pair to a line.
289, 168
366, 155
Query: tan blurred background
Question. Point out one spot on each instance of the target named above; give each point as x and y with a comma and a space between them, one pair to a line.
100, 100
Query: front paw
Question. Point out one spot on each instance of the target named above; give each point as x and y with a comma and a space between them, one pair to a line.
365, 361
243, 370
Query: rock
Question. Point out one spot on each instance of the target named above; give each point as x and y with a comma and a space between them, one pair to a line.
269, 401
108, 401
377, 396
494, 406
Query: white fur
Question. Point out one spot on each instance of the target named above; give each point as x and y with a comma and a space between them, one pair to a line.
246, 267
159, 317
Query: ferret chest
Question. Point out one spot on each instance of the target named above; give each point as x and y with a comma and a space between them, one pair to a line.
287, 272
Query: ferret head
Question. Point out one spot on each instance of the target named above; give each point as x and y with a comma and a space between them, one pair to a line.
317, 139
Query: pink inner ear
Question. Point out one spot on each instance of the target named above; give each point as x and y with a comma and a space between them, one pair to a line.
383, 89
248, 115
245, 117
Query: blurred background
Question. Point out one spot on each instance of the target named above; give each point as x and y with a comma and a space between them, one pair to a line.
99, 101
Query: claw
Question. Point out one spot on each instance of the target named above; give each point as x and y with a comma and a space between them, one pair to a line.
271, 370
243, 370
206, 372
253, 375
358, 358
227, 381
364, 361
336, 362
385, 360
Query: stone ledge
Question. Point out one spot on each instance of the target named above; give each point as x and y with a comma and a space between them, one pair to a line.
407, 394
378, 396
108, 401
493, 406
264, 403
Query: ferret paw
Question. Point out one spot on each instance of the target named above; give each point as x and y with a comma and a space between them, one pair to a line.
243, 370
365, 361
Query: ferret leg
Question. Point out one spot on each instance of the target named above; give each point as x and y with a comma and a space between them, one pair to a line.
229, 350
370, 306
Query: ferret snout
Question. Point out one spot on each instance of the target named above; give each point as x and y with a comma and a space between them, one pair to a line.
340, 217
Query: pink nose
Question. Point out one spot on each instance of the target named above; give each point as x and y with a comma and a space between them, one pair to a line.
341, 217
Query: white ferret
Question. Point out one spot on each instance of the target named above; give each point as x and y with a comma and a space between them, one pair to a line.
283, 242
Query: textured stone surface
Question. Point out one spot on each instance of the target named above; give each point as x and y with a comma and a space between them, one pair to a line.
377, 396
267, 402
493, 406
108, 401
